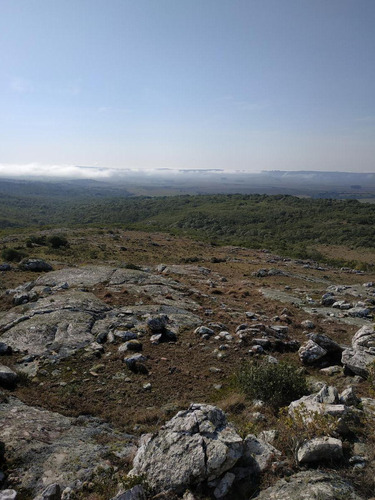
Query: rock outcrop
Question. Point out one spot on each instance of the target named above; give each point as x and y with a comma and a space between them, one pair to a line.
362, 353
195, 446
310, 485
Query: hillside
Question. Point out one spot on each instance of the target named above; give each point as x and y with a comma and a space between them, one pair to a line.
285, 224
130, 328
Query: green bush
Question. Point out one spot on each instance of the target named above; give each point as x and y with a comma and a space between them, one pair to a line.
57, 241
35, 240
275, 384
12, 255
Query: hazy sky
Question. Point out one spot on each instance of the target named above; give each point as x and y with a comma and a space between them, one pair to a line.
233, 84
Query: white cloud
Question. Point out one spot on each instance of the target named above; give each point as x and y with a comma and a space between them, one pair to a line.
59, 171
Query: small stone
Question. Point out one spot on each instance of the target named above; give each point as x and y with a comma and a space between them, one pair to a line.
331, 370
8, 495
158, 324
5, 349
308, 324
147, 387
204, 330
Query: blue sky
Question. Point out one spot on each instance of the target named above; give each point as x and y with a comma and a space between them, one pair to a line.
145, 84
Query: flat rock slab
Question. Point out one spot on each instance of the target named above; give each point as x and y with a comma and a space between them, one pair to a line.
310, 486
50, 448
63, 321
77, 276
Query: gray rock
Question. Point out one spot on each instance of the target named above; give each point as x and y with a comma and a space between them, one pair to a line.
8, 495
36, 265
308, 324
225, 484
135, 363
325, 342
124, 336
51, 448
310, 485
328, 395
158, 324
52, 492
195, 446
7, 376
5, 267
61, 323
262, 452
331, 370
311, 352
320, 449
307, 407
348, 397
204, 330
364, 337
135, 493
359, 312
357, 361
328, 299
5, 349
131, 345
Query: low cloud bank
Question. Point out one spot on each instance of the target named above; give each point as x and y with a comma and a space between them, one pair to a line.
58, 171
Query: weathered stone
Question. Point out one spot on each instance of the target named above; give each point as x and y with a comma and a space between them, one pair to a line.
8, 494
328, 395
262, 452
225, 484
5, 349
308, 324
135, 493
357, 361
36, 265
197, 445
7, 376
158, 324
348, 397
136, 362
51, 448
311, 353
364, 337
359, 312
61, 324
52, 492
325, 342
310, 485
204, 330
320, 449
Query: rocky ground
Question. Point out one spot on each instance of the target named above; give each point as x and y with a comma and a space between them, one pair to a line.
130, 333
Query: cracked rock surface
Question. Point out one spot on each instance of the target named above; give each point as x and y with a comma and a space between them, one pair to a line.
196, 445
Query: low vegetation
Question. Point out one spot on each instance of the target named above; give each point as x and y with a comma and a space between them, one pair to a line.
275, 384
285, 224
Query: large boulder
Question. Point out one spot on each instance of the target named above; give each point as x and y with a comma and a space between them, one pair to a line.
310, 485
320, 449
195, 446
36, 265
362, 353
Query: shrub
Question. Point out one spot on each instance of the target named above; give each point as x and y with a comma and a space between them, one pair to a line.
36, 240
275, 384
12, 255
58, 241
